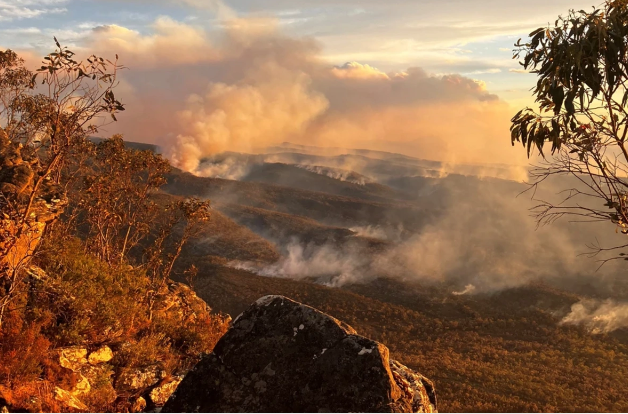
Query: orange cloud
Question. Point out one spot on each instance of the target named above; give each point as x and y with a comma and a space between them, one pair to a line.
249, 85
355, 70
278, 104
173, 43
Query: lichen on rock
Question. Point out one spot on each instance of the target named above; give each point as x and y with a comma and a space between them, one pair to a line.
283, 356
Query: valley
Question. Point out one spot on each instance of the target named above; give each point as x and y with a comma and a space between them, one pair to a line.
346, 248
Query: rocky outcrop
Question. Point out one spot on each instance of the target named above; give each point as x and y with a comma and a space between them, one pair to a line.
160, 394
101, 355
139, 379
72, 357
92, 369
67, 399
282, 356
178, 302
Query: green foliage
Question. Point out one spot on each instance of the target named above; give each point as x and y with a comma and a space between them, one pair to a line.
580, 63
93, 303
110, 189
38, 129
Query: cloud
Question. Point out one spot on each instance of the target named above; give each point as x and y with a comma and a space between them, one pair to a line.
485, 71
245, 84
28, 9
355, 70
217, 7
171, 44
21, 31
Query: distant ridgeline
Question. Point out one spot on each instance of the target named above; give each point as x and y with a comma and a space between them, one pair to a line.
132, 145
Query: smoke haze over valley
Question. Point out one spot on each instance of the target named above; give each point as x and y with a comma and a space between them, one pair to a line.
364, 158
404, 218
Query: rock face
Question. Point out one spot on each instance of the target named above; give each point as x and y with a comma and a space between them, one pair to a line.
178, 302
93, 370
282, 356
101, 355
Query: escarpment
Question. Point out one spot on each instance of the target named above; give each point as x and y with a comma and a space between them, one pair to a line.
283, 356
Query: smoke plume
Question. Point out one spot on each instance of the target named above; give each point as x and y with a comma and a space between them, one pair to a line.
598, 317
469, 289
247, 84
326, 264
482, 239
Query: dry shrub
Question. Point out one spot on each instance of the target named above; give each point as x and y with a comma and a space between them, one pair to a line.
33, 396
94, 303
79, 300
23, 350
149, 349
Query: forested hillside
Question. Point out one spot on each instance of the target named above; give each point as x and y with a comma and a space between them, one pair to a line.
119, 272
494, 353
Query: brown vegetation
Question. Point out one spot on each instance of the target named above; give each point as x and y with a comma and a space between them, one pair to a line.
493, 353
94, 280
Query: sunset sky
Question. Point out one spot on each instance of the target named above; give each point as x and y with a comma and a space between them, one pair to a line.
406, 58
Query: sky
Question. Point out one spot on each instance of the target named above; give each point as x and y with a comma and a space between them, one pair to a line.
409, 76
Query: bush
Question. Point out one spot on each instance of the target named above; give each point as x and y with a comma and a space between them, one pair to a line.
93, 303
76, 299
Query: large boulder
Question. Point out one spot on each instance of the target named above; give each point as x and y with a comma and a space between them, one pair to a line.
283, 356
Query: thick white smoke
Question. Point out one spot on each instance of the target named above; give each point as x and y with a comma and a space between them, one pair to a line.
597, 316
468, 289
326, 264
335, 173
271, 101
246, 84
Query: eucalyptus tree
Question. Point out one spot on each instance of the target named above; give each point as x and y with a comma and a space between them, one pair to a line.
43, 114
579, 125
